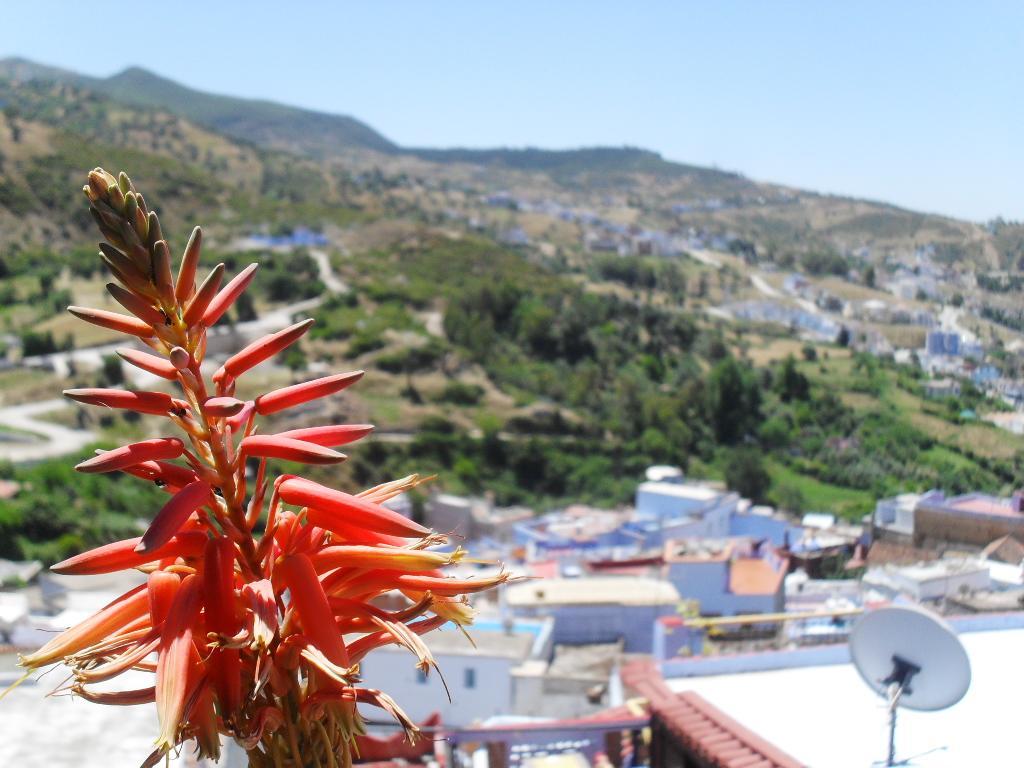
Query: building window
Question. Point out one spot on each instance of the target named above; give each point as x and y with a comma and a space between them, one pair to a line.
421, 676
470, 678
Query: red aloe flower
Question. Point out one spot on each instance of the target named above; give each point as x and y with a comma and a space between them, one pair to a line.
257, 612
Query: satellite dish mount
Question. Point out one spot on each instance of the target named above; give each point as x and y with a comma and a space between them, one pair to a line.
912, 659
897, 683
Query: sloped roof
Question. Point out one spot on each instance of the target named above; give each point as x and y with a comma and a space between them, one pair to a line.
704, 729
1005, 549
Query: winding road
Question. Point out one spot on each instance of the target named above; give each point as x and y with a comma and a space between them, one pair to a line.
53, 439
47, 440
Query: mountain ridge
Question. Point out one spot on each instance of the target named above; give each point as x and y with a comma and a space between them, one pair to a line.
273, 124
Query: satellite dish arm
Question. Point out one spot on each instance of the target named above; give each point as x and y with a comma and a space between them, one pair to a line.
898, 683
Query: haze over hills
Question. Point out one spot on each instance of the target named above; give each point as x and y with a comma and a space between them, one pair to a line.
317, 134
665, 195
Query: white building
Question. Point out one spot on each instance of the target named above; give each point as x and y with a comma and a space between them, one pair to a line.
692, 510
480, 678
930, 582
602, 609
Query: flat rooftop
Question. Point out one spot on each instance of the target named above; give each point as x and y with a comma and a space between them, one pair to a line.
680, 490
614, 590
449, 641
827, 716
754, 576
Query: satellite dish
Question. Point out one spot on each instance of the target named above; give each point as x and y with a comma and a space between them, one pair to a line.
912, 658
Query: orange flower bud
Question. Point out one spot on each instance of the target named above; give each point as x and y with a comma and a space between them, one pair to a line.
186, 283
275, 447
348, 508
162, 272
113, 321
264, 348
139, 307
223, 300
329, 436
133, 453
155, 403
279, 399
173, 515
121, 555
171, 477
200, 302
180, 359
147, 362
222, 407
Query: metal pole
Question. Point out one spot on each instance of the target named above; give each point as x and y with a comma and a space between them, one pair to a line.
895, 691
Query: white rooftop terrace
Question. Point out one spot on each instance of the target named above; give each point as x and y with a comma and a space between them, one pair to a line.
827, 716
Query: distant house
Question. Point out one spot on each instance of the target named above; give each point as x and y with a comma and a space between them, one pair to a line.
727, 577
515, 236
929, 582
479, 675
939, 388
597, 609
690, 509
942, 343
973, 519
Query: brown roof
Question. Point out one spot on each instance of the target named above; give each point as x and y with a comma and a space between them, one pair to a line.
699, 726
754, 576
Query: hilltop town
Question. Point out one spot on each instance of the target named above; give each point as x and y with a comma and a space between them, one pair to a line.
707, 421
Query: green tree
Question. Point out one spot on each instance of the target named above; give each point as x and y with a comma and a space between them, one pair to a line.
745, 473
733, 401
791, 384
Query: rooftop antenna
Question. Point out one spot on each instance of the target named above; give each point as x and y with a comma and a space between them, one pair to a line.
911, 658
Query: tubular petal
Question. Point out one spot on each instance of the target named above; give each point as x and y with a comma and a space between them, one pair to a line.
279, 399
265, 348
222, 618
133, 453
113, 617
172, 670
121, 555
122, 698
223, 300
391, 558
173, 515
351, 509
162, 586
307, 595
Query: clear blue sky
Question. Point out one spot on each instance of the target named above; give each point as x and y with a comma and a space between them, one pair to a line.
917, 103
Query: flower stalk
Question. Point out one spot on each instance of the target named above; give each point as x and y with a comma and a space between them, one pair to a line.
258, 611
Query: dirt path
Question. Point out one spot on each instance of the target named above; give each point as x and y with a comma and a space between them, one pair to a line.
54, 440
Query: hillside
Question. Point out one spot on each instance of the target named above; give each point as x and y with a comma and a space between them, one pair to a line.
264, 123
531, 366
